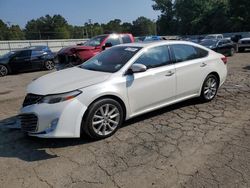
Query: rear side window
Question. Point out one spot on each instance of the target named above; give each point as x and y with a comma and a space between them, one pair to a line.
126, 39
24, 54
183, 52
201, 52
155, 57
114, 40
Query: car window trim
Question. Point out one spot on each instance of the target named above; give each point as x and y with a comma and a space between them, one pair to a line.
174, 59
169, 64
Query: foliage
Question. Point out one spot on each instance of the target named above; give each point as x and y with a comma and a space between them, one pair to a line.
143, 26
202, 16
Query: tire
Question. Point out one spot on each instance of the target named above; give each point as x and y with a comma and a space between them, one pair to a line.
209, 88
3, 70
231, 52
103, 118
49, 65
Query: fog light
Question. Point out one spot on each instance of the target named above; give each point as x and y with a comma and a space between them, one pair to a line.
53, 125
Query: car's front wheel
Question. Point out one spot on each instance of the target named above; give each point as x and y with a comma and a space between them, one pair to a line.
209, 88
231, 52
103, 118
49, 65
3, 70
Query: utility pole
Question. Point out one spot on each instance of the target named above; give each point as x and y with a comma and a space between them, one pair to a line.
90, 23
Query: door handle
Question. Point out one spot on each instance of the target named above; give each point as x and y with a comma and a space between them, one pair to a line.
170, 73
203, 64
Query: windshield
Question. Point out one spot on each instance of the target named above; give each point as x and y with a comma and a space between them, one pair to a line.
209, 42
96, 41
7, 55
111, 60
210, 37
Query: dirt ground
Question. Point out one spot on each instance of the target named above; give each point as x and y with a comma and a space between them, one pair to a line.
185, 145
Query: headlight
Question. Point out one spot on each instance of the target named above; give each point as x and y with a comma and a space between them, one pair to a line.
52, 99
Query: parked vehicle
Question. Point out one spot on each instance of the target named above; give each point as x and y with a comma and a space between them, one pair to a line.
214, 37
223, 46
118, 84
148, 38
27, 59
243, 44
76, 55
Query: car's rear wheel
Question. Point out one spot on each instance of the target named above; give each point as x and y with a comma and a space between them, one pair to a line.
103, 118
49, 65
3, 70
209, 88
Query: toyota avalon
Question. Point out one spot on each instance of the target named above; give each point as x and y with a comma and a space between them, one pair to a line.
118, 84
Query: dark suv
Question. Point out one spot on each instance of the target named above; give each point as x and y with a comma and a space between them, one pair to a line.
76, 55
223, 46
27, 59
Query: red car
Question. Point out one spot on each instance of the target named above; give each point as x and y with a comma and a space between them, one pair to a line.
75, 55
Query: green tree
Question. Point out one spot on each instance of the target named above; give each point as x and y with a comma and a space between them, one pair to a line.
3, 30
239, 15
55, 27
143, 26
15, 33
113, 26
202, 16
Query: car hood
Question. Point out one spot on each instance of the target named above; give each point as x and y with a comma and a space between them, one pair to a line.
69, 50
66, 80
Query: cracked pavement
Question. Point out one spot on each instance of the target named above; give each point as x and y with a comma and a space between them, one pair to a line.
189, 144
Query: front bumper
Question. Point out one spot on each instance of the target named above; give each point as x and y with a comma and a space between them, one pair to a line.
60, 120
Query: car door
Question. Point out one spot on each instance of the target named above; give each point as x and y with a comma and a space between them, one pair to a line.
156, 86
21, 61
37, 59
221, 47
191, 69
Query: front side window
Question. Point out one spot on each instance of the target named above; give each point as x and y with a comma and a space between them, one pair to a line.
155, 57
111, 60
96, 41
183, 52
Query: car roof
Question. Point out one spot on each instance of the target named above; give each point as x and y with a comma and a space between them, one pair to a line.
157, 43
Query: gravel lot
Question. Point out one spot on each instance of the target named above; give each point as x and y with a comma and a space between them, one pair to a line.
184, 145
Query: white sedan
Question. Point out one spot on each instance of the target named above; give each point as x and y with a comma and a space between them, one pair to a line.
118, 84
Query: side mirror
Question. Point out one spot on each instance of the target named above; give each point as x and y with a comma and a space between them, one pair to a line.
136, 68
107, 45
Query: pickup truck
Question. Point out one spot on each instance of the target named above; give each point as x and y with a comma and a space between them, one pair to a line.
75, 55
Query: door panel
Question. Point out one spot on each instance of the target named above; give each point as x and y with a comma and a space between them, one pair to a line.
37, 60
151, 88
189, 76
157, 85
21, 61
191, 69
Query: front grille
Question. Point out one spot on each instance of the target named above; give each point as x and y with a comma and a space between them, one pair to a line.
31, 99
28, 122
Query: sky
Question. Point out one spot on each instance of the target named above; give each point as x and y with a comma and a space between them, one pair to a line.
76, 12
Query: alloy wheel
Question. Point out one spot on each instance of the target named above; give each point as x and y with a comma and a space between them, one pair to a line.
3, 70
210, 88
106, 119
49, 65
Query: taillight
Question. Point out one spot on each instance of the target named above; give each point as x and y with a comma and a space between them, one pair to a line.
224, 59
